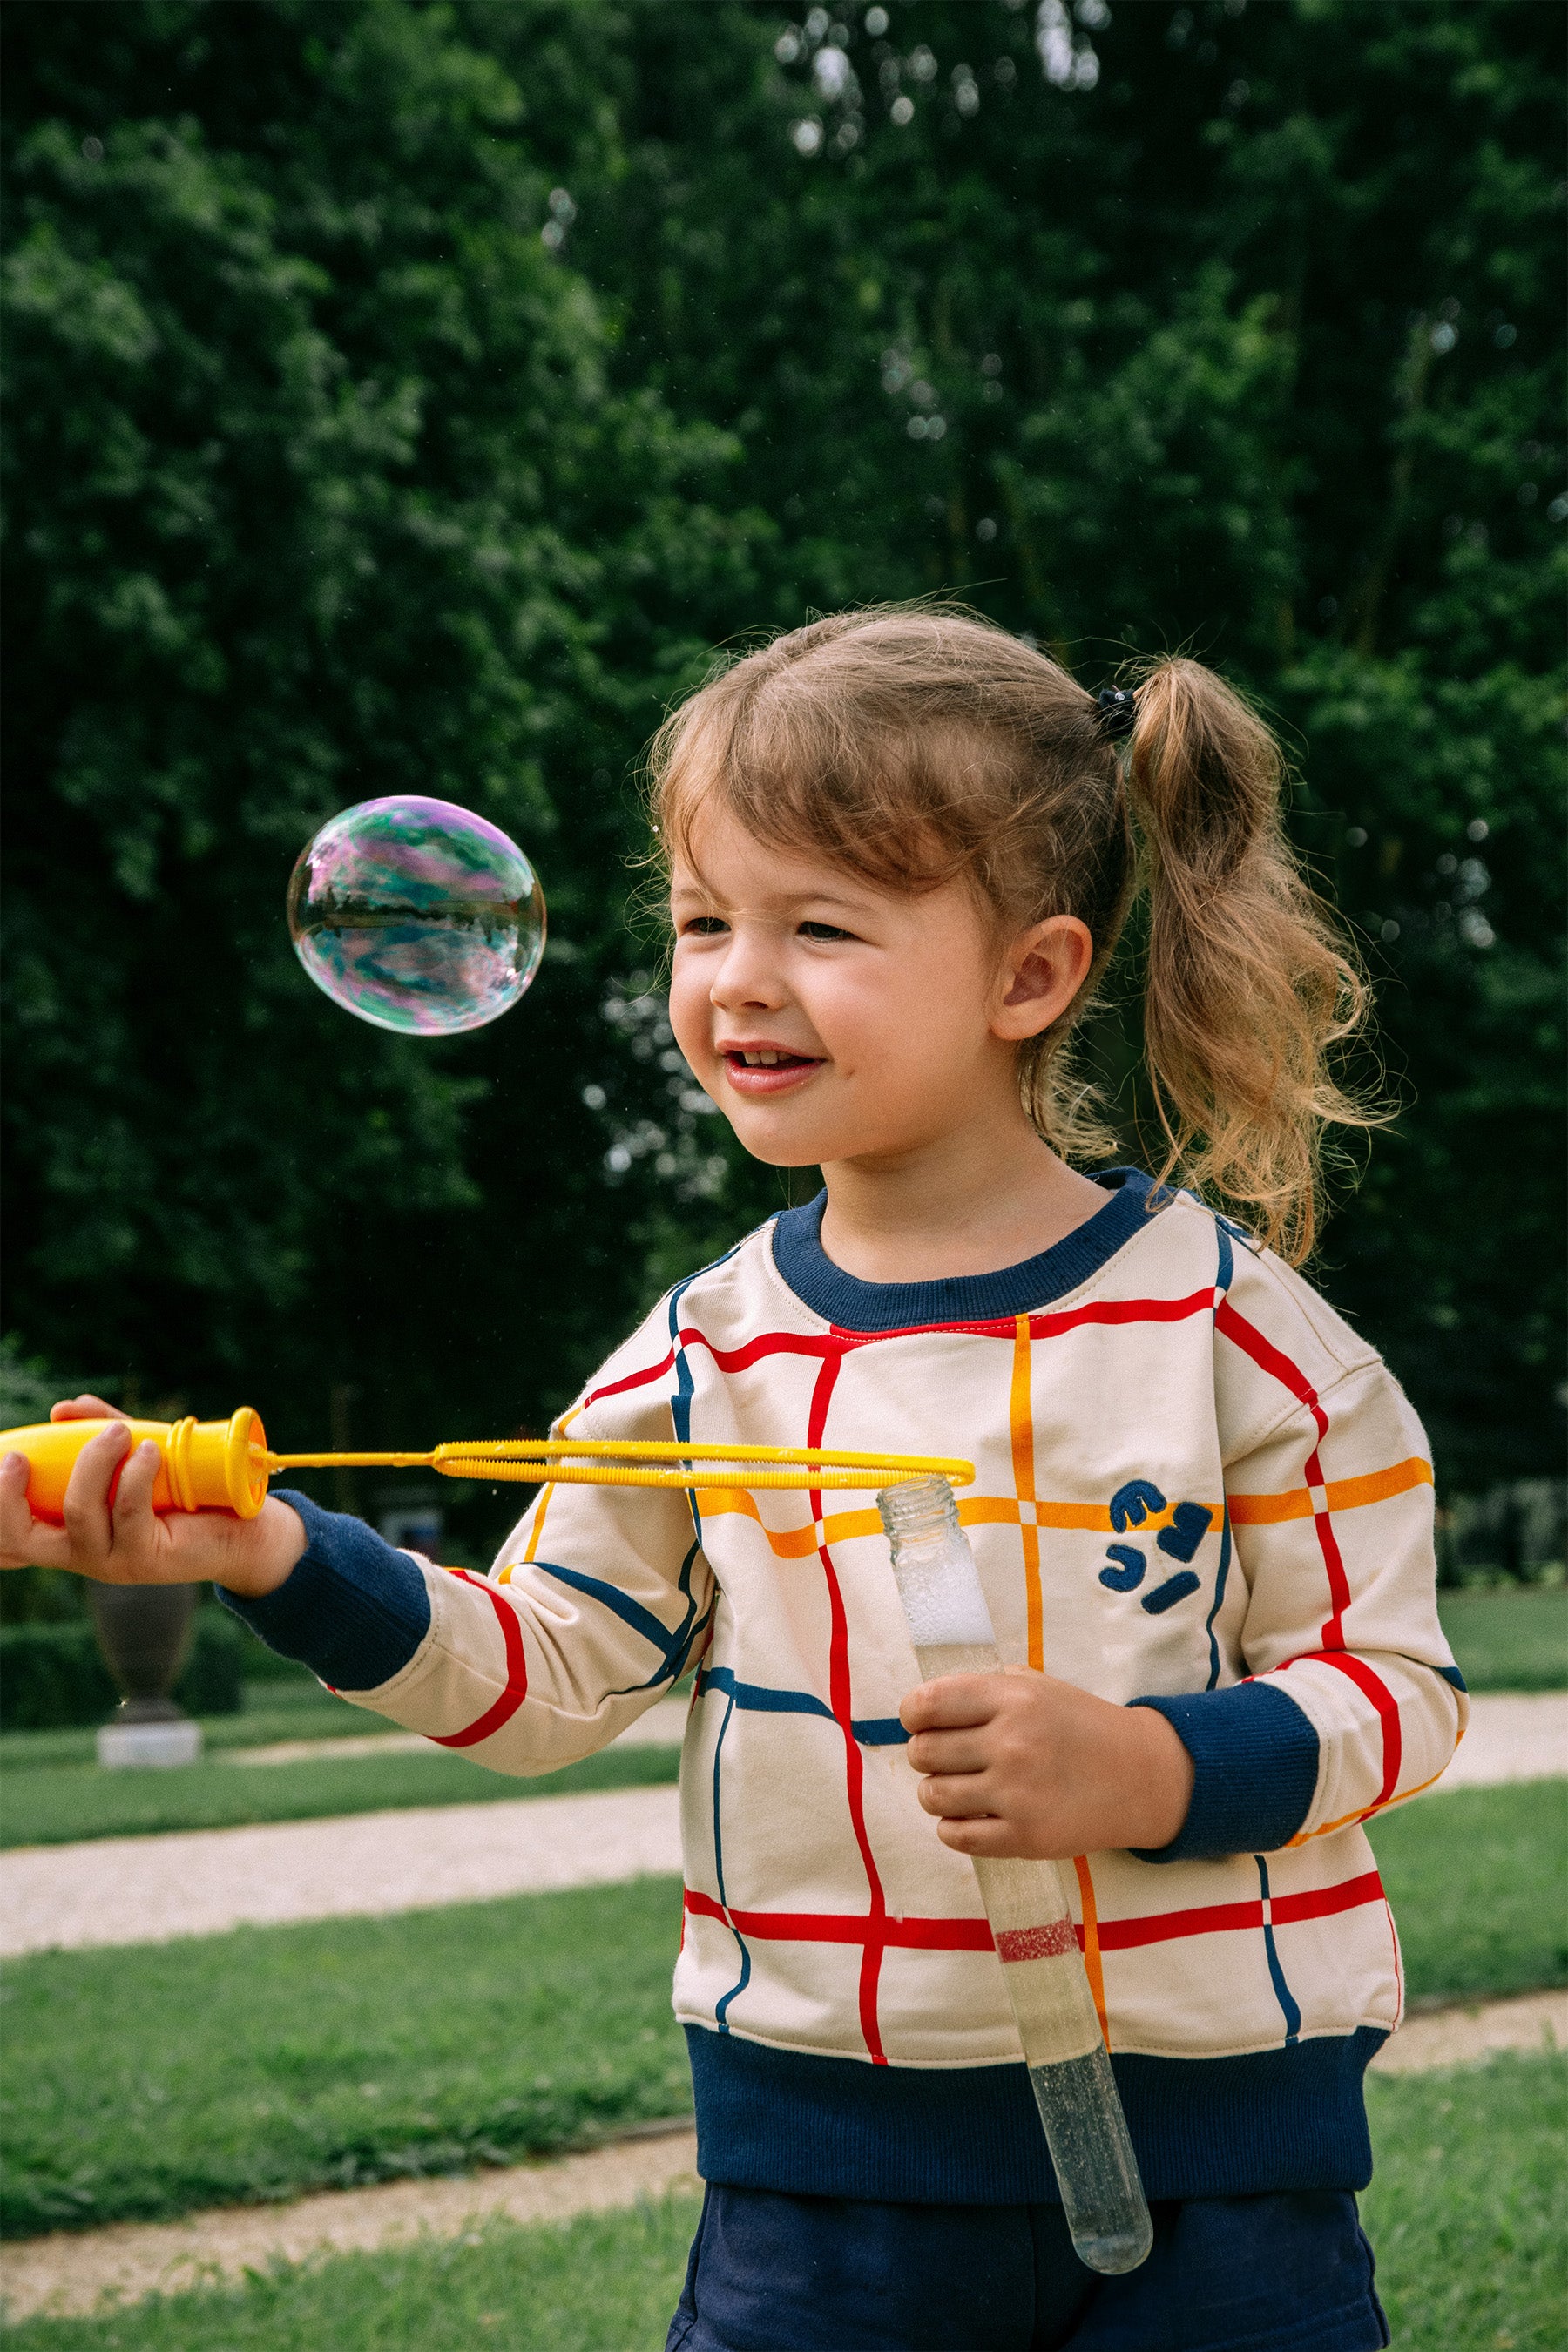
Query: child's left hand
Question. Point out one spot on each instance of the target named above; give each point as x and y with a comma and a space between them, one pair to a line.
1019, 1764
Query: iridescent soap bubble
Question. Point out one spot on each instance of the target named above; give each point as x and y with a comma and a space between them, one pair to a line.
416, 915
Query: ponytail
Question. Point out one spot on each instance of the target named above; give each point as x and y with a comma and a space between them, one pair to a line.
1249, 981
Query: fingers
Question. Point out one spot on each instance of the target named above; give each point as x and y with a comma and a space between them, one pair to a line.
955, 1701
82, 1408
24, 1541
988, 1838
85, 1509
949, 1751
131, 1515
958, 1797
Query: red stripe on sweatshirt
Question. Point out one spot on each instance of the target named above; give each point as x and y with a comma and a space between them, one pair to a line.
1050, 1327
838, 1342
974, 1935
1269, 1358
1372, 1686
1225, 1918
631, 1381
845, 1927
515, 1689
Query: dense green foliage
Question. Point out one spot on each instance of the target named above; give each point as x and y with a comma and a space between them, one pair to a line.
55, 1675
404, 395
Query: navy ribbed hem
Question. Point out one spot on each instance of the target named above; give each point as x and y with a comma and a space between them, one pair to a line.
1277, 2119
353, 1611
1254, 1760
857, 1305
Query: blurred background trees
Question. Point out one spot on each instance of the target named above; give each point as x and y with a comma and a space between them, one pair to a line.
403, 396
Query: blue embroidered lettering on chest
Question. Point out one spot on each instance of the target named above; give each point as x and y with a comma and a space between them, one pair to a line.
1166, 1596
1128, 1576
1131, 1505
1190, 1522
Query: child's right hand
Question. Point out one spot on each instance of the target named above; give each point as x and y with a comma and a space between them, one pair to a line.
128, 1543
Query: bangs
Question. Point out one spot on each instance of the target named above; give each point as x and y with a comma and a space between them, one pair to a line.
908, 748
891, 809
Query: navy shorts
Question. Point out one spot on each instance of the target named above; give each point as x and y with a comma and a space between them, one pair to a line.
770, 2273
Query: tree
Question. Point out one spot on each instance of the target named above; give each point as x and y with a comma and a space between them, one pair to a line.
318, 489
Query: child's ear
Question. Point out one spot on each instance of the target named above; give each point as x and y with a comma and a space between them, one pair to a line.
1042, 971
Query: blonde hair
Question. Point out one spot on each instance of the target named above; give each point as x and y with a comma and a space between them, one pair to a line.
916, 745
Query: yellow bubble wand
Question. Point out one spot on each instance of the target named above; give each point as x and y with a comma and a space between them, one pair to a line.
225, 1465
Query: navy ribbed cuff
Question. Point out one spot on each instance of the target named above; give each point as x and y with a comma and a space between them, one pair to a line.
1255, 1758
354, 1610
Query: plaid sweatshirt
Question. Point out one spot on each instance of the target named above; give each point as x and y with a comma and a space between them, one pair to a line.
1197, 1489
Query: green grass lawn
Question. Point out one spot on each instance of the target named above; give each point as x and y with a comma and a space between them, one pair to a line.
53, 1804
1511, 1639
1479, 1883
1465, 2213
275, 2059
52, 1792
150, 2081
299, 1708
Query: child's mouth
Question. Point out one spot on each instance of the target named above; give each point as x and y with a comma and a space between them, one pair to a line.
767, 1069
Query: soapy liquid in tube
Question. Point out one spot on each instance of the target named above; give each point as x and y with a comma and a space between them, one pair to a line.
1027, 1905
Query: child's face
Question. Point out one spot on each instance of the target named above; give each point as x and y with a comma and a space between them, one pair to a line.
830, 1020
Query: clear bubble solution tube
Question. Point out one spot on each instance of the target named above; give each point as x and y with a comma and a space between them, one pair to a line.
1027, 1905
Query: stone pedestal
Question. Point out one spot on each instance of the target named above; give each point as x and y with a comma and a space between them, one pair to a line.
144, 1632
174, 1741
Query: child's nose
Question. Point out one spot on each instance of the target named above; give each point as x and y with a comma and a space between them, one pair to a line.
747, 975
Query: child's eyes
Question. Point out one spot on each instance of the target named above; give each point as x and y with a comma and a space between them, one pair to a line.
713, 927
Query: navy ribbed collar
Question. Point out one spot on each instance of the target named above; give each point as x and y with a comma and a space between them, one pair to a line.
855, 1306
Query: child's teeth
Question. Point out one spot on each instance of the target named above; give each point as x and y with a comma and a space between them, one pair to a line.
761, 1061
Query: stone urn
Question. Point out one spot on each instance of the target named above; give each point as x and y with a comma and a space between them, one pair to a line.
144, 1632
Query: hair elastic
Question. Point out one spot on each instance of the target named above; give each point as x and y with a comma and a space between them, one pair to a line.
1118, 711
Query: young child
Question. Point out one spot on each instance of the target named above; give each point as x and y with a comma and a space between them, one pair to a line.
901, 849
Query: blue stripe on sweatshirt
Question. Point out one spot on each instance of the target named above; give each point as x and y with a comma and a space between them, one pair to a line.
759, 1698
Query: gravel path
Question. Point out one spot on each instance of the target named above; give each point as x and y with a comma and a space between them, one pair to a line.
67, 2273
141, 1890
149, 1890
1512, 1736
1458, 2037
